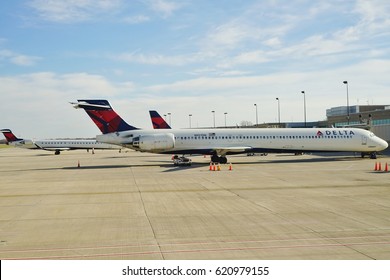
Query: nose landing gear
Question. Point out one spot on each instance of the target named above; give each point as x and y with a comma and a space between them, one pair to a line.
372, 155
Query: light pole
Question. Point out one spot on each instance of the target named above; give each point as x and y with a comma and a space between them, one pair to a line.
213, 117
169, 114
225, 118
277, 98
346, 82
189, 117
304, 105
257, 121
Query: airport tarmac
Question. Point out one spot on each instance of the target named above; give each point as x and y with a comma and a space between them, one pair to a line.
139, 206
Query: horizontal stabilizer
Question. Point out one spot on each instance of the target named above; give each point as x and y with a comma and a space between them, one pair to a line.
91, 104
102, 114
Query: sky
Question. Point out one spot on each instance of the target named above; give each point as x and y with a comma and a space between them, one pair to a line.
188, 57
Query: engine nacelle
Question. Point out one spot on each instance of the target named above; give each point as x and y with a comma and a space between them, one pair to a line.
155, 142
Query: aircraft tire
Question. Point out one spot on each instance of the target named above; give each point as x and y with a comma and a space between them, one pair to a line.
215, 159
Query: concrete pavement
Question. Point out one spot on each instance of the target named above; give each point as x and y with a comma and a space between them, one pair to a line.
139, 206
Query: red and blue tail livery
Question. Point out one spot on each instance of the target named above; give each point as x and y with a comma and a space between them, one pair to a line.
102, 114
157, 121
17, 142
9, 136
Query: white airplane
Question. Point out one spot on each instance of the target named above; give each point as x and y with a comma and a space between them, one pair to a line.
56, 145
221, 142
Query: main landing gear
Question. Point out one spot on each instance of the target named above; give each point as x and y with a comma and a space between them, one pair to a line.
372, 155
218, 159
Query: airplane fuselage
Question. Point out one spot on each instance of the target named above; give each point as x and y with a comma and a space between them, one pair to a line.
239, 140
72, 144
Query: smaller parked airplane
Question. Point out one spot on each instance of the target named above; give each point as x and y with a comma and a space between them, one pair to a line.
56, 145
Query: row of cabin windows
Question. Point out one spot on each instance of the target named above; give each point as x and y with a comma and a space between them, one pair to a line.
64, 143
260, 137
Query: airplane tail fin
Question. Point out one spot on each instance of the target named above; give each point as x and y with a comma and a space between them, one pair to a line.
9, 136
157, 121
102, 114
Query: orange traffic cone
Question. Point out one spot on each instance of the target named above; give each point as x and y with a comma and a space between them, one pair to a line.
386, 168
230, 167
380, 167
214, 167
376, 166
211, 166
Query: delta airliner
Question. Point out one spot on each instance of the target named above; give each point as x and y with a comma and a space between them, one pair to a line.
222, 142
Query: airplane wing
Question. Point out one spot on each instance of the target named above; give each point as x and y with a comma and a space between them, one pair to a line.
57, 149
224, 150
52, 148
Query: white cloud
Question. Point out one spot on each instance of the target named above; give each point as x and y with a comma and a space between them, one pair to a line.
23, 60
374, 17
36, 105
163, 7
374, 10
230, 35
158, 59
258, 56
70, 11
36, 86
42, 97
236, 95
17, 59
273, 42
136, 19
266, 32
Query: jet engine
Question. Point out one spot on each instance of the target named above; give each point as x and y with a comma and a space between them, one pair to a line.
154, 142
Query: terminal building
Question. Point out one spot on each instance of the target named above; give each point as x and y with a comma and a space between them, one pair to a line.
373, 117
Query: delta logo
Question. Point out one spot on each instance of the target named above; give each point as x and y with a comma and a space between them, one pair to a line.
335, 133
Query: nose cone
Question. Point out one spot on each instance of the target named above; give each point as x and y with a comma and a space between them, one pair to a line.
382, 144
385, 145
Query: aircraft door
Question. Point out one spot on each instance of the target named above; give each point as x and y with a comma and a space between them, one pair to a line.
364, 140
